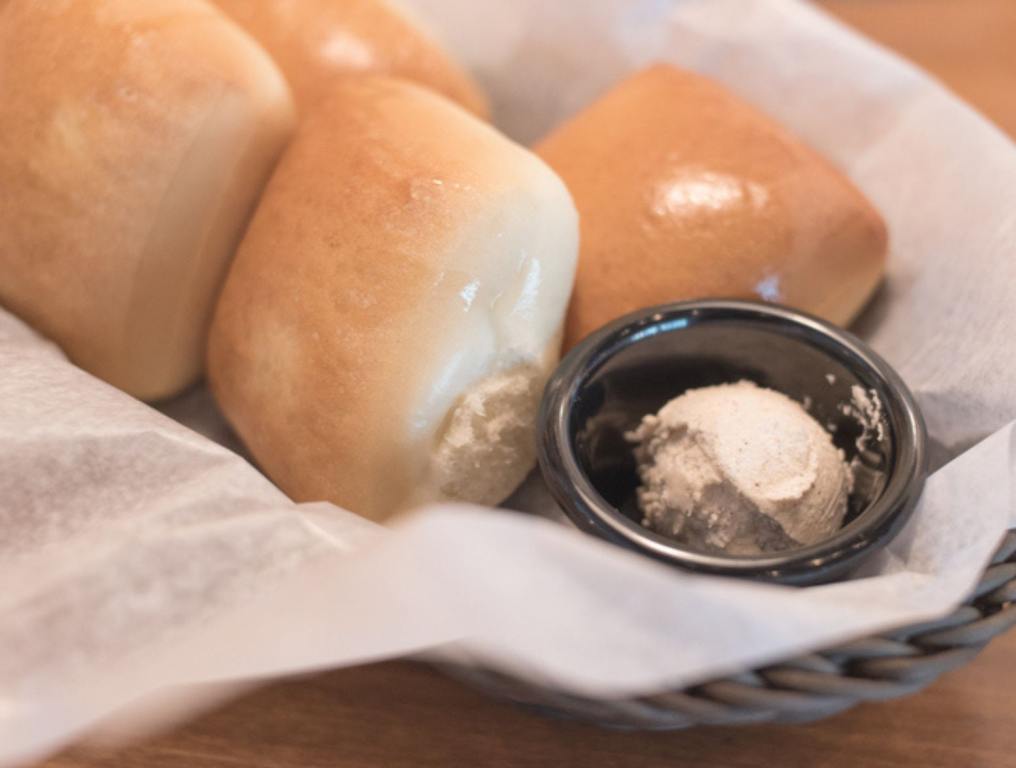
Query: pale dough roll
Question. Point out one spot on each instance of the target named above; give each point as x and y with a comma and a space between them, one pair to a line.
316, 41
135, 137
395, 308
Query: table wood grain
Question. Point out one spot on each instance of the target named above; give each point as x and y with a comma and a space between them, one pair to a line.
402, 714
969, 45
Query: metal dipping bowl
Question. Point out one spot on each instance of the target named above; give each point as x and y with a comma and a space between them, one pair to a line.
634, 365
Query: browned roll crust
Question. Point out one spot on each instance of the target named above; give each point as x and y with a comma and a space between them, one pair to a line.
135, 137
685, 191
314, 41
396, 305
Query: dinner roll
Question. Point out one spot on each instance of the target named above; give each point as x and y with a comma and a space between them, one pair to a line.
396, 305
135, 136
685, 191
314, 41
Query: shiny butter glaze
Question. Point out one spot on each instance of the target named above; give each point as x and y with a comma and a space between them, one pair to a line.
684, 191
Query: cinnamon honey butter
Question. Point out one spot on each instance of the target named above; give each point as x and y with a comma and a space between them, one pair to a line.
740, 469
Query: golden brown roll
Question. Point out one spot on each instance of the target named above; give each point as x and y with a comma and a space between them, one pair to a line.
314, 41
396, 305
685, 191
135, 136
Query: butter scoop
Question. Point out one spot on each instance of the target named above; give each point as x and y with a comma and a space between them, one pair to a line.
740, 469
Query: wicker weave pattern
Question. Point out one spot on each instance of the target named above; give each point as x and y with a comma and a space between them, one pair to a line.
809, 687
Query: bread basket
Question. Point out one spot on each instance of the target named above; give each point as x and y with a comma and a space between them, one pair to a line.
126, 440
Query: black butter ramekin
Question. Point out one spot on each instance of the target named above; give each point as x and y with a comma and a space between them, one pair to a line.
634, 365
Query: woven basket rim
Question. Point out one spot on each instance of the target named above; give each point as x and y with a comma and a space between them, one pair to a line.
888, 665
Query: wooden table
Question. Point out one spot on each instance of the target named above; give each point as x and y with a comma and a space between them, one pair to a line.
399, 714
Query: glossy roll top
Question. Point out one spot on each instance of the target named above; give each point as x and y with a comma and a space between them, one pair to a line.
685, 191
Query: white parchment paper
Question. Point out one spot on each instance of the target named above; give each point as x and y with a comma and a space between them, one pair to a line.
137, 556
